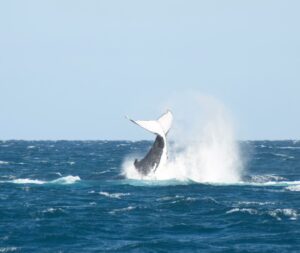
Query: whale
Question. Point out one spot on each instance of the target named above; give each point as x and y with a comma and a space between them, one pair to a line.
157, 156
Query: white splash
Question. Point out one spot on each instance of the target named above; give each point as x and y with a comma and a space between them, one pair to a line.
204, 148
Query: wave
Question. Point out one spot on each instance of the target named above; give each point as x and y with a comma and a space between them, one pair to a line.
278, 214
26, 181
266, 178
66, 180
286, 212
289, 147
4, 162
267, 183
255, 203
284, 156
257, 181
8, 249
62, 180
114, 195
294, 188
125, 209
176, 199
242, 210
154, 182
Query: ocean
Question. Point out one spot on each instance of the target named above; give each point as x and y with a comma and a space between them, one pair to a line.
73, 196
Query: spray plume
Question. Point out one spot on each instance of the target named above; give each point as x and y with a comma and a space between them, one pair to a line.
202, 144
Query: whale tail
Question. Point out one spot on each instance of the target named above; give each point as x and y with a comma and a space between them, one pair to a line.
159, 127
158, 152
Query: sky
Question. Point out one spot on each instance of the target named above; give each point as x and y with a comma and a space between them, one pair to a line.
72, 69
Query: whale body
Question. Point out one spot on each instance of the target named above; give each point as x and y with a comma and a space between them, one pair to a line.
158, 154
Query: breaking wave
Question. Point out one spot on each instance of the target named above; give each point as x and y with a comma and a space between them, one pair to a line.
62, 180
278, 214
121, 210
114, 195
294, 188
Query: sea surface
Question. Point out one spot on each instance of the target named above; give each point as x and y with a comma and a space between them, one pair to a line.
71, 196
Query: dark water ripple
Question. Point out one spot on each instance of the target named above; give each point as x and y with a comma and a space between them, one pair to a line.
45, 207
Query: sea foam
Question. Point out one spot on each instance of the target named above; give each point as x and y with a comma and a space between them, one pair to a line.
114, 195
62, 180
294, 188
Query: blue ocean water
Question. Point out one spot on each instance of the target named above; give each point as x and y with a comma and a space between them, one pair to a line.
70, 196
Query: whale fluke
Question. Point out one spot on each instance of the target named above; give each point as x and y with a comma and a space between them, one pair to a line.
157, 155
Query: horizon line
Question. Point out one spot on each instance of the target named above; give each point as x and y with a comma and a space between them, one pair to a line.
128, 140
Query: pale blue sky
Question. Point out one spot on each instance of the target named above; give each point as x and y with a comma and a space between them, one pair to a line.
73, 69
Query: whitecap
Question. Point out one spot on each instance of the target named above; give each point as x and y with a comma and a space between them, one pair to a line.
27, 181
248, 203
52, 210
125, 209
266, 178
66, 180
123, 145
294, 188
284, 156
269, 183
177, 198
114, 195
278, 214
167, 198
30, 147
243, 210
62, 180
289, 147
286, 212
4, 162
